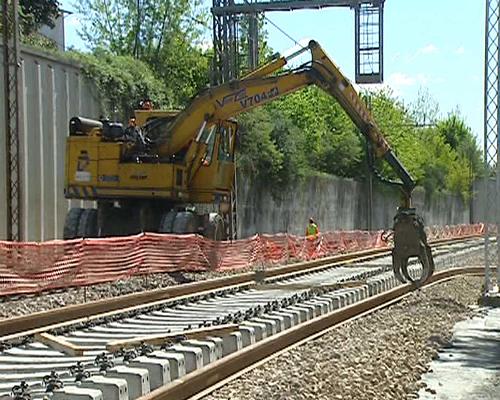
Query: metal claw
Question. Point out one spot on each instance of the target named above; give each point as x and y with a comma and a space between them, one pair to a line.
405, 272
410, 240
396, 266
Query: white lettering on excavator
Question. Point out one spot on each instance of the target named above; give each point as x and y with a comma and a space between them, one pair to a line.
245, 100
250, 101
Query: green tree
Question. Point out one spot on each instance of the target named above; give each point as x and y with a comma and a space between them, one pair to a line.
330, 143
258, 155
166, 34
425, 109
265, 51
271, 148
398, 127
461, 139
121, 82
35, 13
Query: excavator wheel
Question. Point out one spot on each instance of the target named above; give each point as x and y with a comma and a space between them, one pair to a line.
87, 226
167, 222
72, 222
185, 222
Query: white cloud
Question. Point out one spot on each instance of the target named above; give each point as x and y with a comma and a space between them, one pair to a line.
396, 57
399, 79
423, 51
395, 82
460, 50
422, 79
429, 49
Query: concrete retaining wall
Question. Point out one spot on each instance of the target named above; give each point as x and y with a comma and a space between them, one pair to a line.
53, 90
336, 203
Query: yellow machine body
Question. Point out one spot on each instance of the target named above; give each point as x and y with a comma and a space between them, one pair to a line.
98, 169
146, 176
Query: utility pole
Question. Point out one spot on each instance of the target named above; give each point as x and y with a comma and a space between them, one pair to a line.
12, 69
491, 139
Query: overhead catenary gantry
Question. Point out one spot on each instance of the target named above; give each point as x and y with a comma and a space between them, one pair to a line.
226, 41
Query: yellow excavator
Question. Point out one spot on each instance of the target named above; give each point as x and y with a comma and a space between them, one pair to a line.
147, 176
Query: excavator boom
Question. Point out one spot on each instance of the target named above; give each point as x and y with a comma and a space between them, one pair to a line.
260, 87
265, 85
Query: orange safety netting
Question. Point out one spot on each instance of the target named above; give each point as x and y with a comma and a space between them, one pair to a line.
30, 267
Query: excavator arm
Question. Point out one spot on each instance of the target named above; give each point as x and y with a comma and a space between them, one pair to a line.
265, 85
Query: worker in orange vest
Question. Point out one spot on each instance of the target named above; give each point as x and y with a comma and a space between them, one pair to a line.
312, 230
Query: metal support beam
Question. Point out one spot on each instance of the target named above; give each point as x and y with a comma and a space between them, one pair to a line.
491, 136
225, 37
12, 68
244, 6
253, 41
225, 13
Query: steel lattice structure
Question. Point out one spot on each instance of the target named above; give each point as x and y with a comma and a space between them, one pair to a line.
491, 135
228, 13
227, 61
11, 60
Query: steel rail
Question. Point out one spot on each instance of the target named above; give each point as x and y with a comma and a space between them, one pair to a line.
45, 320
202, 381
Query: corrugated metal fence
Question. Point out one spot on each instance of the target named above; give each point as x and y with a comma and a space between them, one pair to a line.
54, 90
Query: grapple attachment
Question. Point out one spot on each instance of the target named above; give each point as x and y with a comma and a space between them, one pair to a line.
410, 240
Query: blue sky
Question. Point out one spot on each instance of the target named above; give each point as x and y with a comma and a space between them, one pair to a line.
433, 45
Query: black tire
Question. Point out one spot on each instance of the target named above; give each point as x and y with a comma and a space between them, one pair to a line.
72, 222
87, 228
185, 222
167, 222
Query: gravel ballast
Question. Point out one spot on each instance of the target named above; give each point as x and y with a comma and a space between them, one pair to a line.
23, 305
380, 356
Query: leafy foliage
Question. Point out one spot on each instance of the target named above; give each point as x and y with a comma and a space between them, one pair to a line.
122, 82
329, 140
308, 132
442, 155
34, 13
165, 34
271, 147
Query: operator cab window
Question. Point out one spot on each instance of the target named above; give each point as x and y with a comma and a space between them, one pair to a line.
225, 144
208, 137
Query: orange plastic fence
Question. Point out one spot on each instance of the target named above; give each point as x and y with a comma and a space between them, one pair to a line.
32, 267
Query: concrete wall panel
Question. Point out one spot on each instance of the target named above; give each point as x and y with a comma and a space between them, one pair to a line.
53, 91
3, 194
335, 203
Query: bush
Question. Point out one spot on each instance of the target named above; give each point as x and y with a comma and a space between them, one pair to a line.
122, 82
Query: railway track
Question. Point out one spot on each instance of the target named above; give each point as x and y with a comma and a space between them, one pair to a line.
139, 345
